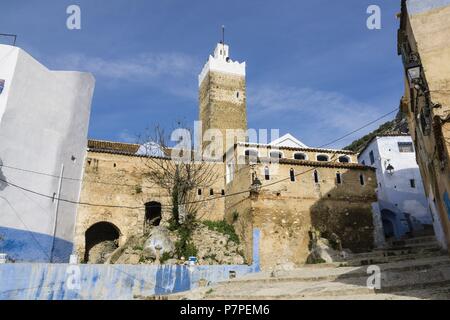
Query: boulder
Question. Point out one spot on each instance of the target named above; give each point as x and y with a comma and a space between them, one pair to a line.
159, 237
99, 253
321, 252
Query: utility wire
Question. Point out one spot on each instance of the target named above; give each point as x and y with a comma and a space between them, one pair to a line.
134, 185
363, 127
191, 202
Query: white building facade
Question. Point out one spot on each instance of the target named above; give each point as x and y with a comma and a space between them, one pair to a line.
44, 119
401, 196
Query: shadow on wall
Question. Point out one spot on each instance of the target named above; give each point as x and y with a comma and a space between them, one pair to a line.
3, 183
349, 216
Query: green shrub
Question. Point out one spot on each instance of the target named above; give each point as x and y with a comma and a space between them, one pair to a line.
165, 256
222, 227
138, 189
184, 247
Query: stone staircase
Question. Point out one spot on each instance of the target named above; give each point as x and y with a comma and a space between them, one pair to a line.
410, 269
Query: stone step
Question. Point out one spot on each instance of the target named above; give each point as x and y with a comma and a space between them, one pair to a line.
441, 293
391, 258
301, 290
414, 240
331, 283
399, 250
311, 274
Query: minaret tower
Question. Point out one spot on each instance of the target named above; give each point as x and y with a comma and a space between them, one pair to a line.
222, 93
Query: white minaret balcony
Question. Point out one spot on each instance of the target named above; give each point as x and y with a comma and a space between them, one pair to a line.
221, 62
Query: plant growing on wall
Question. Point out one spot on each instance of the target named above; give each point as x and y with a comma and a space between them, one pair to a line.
181, 173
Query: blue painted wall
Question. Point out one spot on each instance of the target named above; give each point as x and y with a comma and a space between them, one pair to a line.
43, 281
26, 246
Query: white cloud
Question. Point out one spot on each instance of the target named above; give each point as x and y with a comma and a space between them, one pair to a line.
330, 108
174, 73
316, 116
136, 68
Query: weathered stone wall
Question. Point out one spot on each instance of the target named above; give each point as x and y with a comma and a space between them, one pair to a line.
120, 180
222, 100
285, 210
289, 152
426, 28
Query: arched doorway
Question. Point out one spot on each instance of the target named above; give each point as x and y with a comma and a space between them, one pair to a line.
103, 238
389, 224
152, 213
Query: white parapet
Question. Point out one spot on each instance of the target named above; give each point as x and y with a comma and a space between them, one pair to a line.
221, 62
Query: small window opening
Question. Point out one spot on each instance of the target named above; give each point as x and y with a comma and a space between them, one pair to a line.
361, 179
292, 175
266, 173
316, 176
338, 178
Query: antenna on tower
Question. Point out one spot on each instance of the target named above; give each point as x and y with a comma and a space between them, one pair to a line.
223, 34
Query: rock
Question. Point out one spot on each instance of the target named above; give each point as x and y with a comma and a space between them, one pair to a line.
129, 258
322, 252
99, 253
158, 237
171, 261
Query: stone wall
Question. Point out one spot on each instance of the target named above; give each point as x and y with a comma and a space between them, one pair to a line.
420, 20
285, 210
120, 180
222, 101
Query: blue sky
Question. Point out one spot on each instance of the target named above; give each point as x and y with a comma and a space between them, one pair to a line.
313, 67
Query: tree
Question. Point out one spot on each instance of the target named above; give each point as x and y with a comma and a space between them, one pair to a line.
180, 171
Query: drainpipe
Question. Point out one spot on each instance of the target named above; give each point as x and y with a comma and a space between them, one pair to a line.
55, 219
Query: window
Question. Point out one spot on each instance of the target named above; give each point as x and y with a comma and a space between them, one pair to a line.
344, 159
229, 172
316, 176
211, 192
338, 178
237, 94
2, 85
223, 192
153, 213
322, 157
412, 182
363, 163
372, 157
276, 155
292, 175
266, 173
299, 156
251, 153
199, 192
361, 179
405, 147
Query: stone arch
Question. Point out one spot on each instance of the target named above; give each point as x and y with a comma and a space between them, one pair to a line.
153, 213
344, 159
323, 157
300, 156
99, 232
389, 223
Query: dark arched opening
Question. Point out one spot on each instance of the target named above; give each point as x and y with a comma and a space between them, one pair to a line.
153, 213
104, 237
322, 158
344, 159
389, 223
